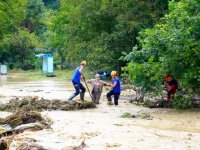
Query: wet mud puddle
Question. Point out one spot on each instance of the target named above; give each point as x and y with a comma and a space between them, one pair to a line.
103, 128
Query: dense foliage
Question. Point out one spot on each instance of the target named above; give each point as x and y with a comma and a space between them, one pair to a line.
22, 25
173, 45
104, 32
100, 31
21, 47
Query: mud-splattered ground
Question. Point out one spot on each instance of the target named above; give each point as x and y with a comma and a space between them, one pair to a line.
102, 128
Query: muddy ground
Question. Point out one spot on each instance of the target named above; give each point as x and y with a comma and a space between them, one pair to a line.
102, 128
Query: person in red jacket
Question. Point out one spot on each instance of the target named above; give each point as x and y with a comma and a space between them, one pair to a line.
172, 86
166, 79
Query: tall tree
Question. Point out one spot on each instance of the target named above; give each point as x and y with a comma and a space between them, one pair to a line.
12, 13
19, 48
53, 4
20, 25
100, 31
171, 46
36, 17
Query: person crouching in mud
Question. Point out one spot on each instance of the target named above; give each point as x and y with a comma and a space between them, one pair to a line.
77, 83
116, 89
97, 88
171, 87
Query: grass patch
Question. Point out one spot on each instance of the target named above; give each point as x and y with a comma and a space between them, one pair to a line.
126, 115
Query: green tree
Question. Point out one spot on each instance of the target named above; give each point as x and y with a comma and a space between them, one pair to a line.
19, 48
22, 26
100, 31
36, 17
12, 13
172, 45
53, 4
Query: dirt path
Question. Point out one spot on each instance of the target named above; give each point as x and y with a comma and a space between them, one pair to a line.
103, 128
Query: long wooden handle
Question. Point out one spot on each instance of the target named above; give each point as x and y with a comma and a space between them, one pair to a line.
88, 89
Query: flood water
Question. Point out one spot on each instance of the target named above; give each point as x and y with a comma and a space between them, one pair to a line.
102, 128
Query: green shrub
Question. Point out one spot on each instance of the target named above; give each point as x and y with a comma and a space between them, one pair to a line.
181, 101
38, 63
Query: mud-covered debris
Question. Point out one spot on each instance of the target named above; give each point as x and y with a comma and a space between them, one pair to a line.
23, 145
127, 87
34, 103
79, 147
20, 143
33, 126
3, 145
22, 120
142, 115
21, 117
128, 97
157, 104
146, 115
115, 145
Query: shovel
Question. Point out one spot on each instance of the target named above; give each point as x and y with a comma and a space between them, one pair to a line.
88, 90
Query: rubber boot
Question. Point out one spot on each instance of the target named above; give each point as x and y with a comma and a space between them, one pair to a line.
82, 96
71, 97
109, 101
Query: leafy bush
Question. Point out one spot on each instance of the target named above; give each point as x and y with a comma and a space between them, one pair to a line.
17, 65
171, 46
181, 101
10, 65
38, 63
